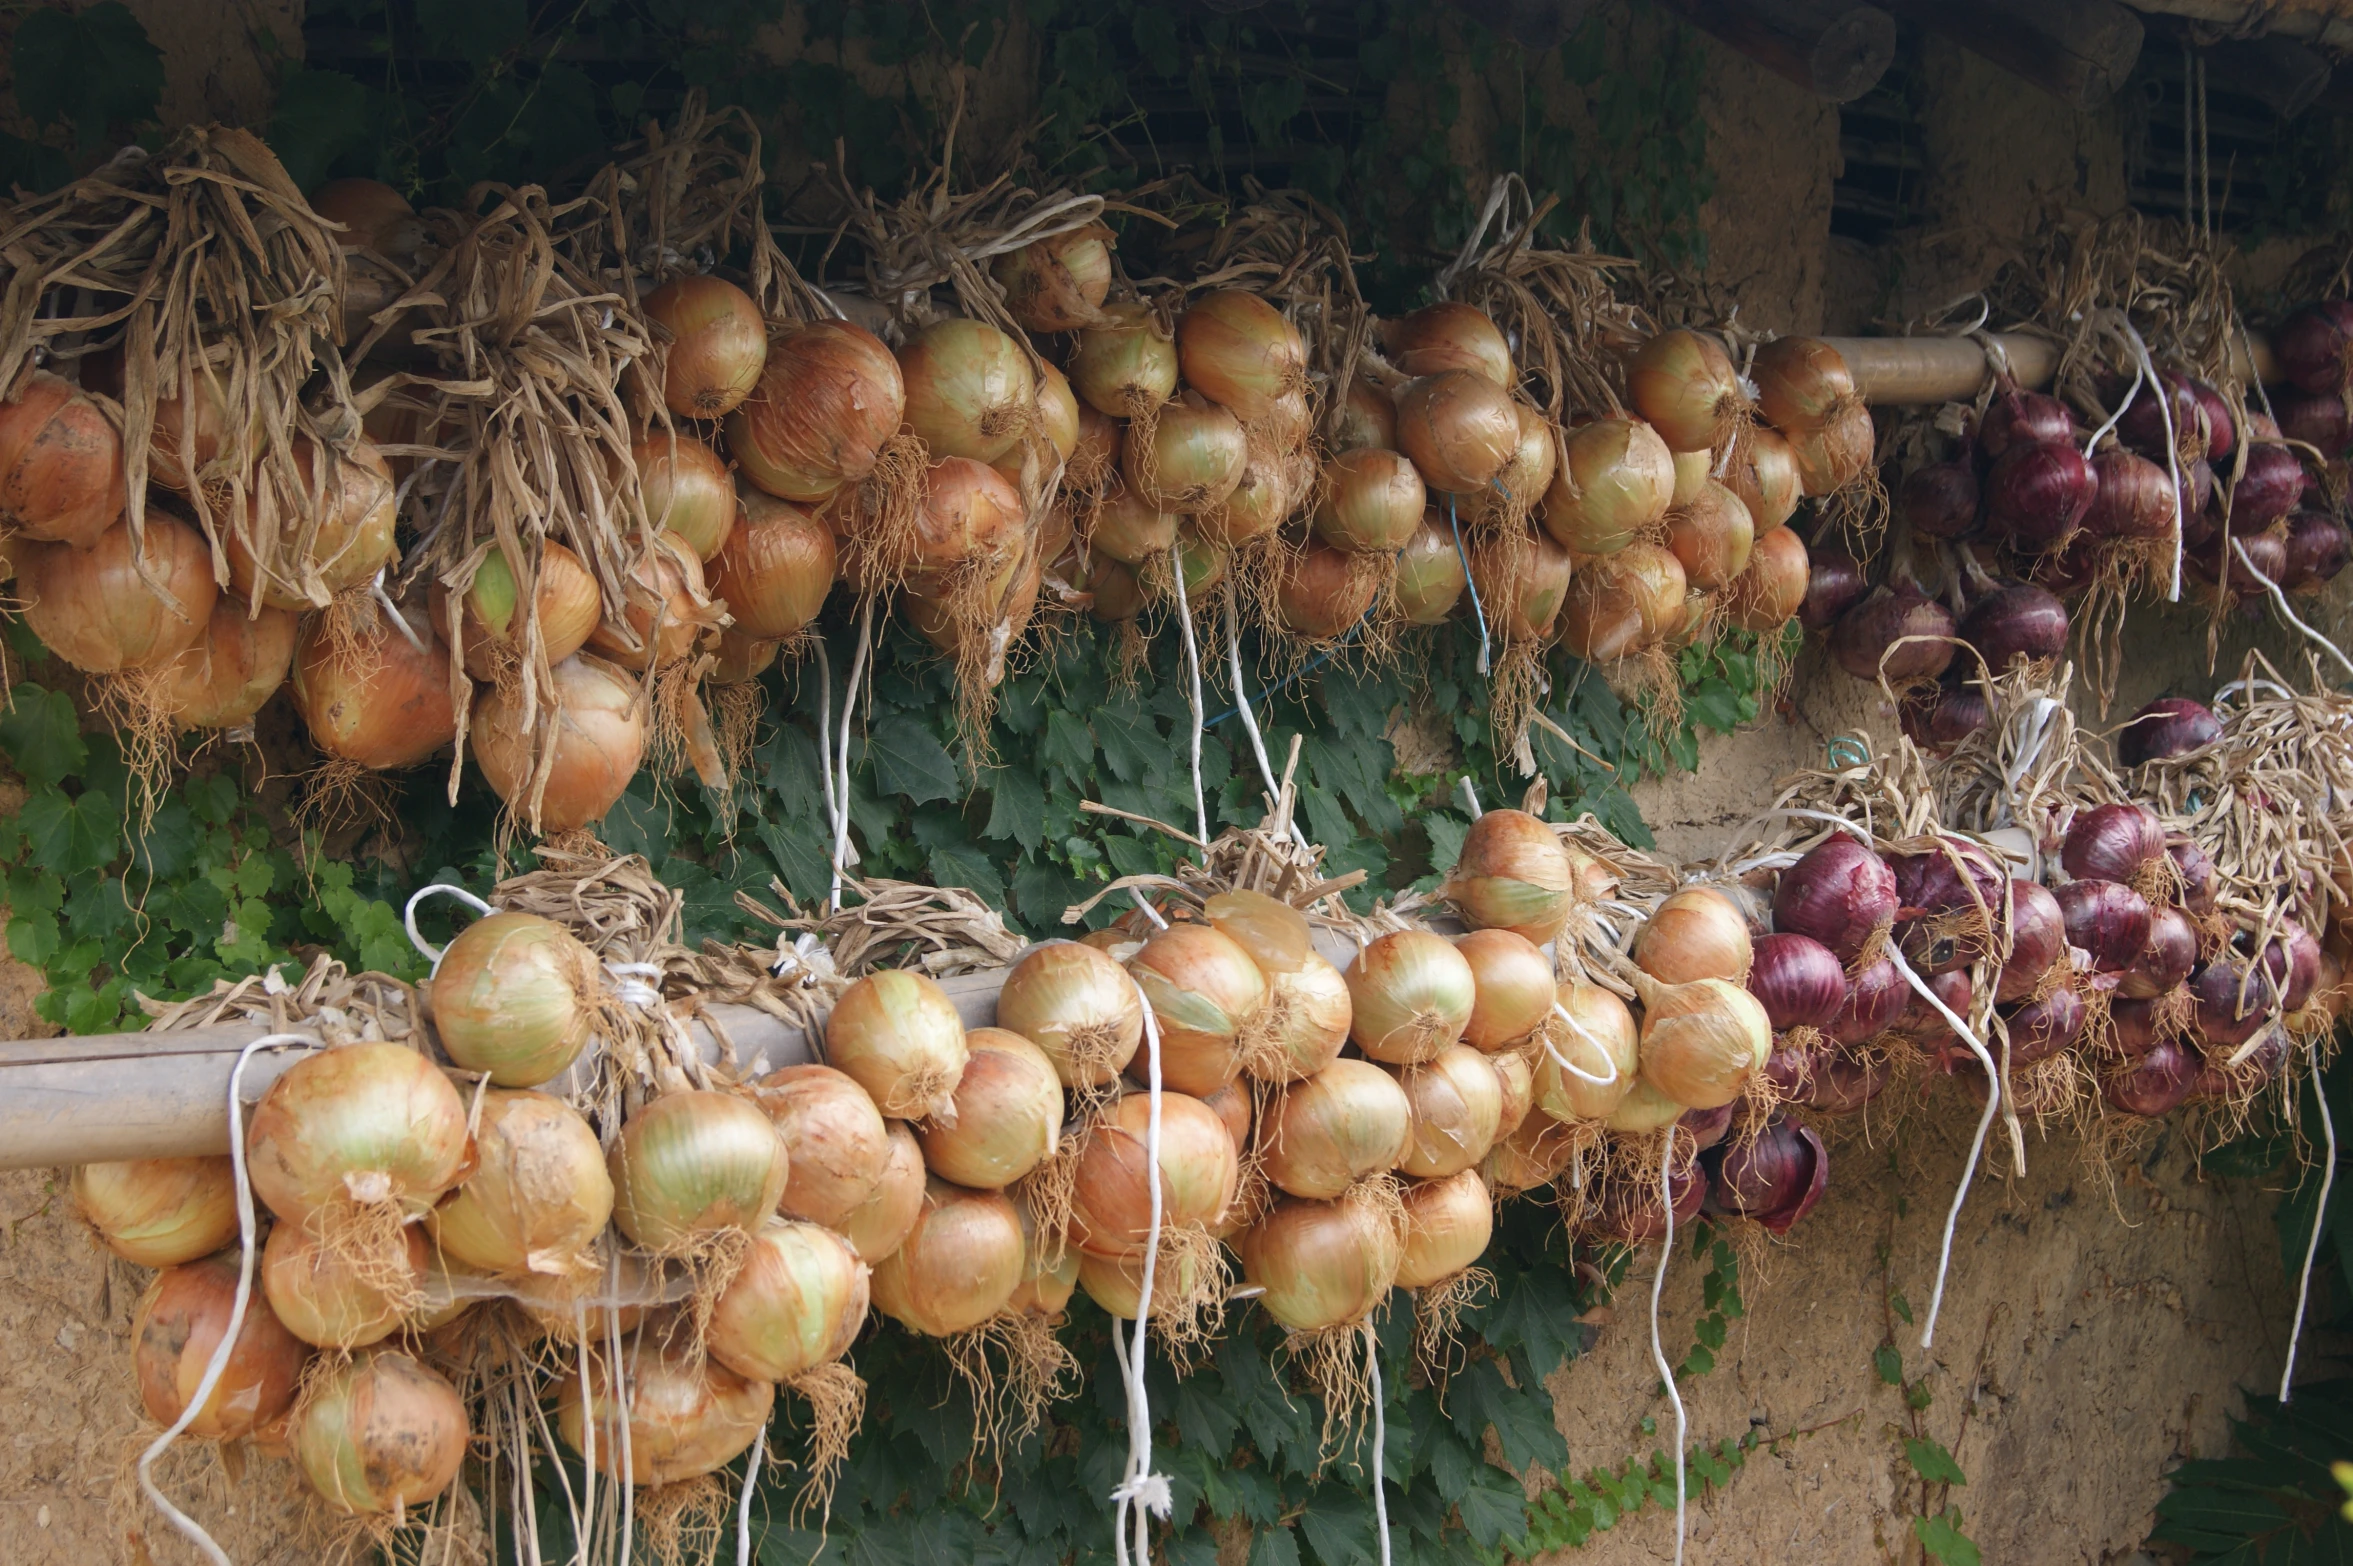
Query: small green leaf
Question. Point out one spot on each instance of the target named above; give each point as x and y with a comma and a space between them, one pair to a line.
1932, 1462
32, 938
41, 733
1901, 1306
1942, 1538
909, 761
1889, 1362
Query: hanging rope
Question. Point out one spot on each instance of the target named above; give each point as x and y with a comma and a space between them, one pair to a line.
2328, 1179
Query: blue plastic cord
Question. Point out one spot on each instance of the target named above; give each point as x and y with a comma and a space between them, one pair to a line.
1305, 669
1463, 555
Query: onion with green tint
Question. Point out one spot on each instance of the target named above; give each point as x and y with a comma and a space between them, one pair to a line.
515, 996
1413, 994
1513, 874
1077, 1004
694, 1163
900, 1038
159, 1212
797, 1302
380, 1433
1204, 989
958, 1266
539, 1195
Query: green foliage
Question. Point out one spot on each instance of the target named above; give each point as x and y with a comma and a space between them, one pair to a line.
92, 71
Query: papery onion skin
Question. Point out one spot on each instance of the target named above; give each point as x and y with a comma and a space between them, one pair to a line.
1057, 284
1322, 595
1413, 994
2016, 623
1835, 583
1079, 1006
2109, 921
1458, 427
350, 511
1694, 934
2134, 497
2268, 489
1513, 874
1448, 1223
539, 1195
158, 1212
1775, 1179
1769, 594
796, 1302
1629, 1212
2197, 875
1614, 482
1797, 980
1322, 1264
2038, 938
900, 1038
2153, 1085
1766, 480
1431, 576
1457, 1113
233, 669
567, 599
1712, 537
1451, 336
1319, 1136
1523, 608
876, 1226
1899, 635
2223, 1017
2112, 842
92, 608
1512, 987
1875, 997
365, 1122
1939, 500
1238, 351
323, 1298
1532, 1155
1834, 456
1681, 382
775, 569
1922, 1022
1204, 990
1518, 1077
599, 742
1130, 530
1702, 1041
515, 995
2166, 958
1802, 382
1367, 418
2319, 420
1189, 459
1008, 1114
687, 490
969, 389
383, 705
2023, 418
718, 344
828, 399
688, 1415
2036, 496
1111, 1209
2319, 547
380, 1434
837, 1143
695, 1163
1123, 364
1938, 718
1311, 1012
1839, 892
61, 463
177, 1327
1372, 502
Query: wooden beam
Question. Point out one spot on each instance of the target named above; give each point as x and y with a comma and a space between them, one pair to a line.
2287, 76
1834, 49
2079, 51
2323, 21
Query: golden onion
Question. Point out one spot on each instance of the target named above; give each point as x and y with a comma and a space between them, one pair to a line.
877, 1226
1600, 1038
1451, 336
329, 1300
1448, 1223
371, 1124
1512, 982
1430, 573
1372, 502
1320, 1136
539, 1194
1683, 384
1057, 284
829, 398
695, 1163
1322, 1264
797, 1302
1237, 350
1513, 874
959, 1264
837, 1142
1078, 1005
1702, 1041
178, 1325
1008, 1114
159, 1212
379, 1434
1711, 538
897, 1033
515, 996
598, 743
1308, 1012
970, 389
1458, 427
1695, 934
1205, 991
1124, 365
1111, 1198
1457, 1112
688, 1415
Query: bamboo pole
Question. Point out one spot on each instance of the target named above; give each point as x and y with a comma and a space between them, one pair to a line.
1908, 371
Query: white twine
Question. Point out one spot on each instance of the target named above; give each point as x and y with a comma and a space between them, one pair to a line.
1562, 1061
1142, 1493
1478, 610
833, 808
1372, 1365
2328, 1177
1176, 566
629, 983
1266, 771
214, 1368
1993, 1101
743, 1507
843, 854
2122, 407
1470, 796
1658, 1352
408, 917
399, 621
2279, 601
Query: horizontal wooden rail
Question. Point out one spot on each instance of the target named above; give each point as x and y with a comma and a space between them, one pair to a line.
1907, 371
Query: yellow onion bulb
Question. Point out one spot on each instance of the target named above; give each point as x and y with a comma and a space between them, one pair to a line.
838, 1144
739, 660
1189, 459
900, 1038
1044, 1290
1458, 427
1457, 1112
61, 463
672, 573
1614, 482
1512, 985
1527, 477
1771, 591
688, 1414
1682, 383
1321, 1135
177, 1327
970, 390
233, 669
1322, 594
539, 1196
1131, 530
1835, 456
1372, 502
877, 1226
1116, 1283
718, 344
158, 1212
1231, 1105
378, 700
1513, 874
1274, 933
1618, 606
599, 742
350, 509
1308, 1015
1599, 1038
327, 1300
828, 399
969, 511
959, 1264
1092, 460
1702, 1041
1693, 469
360, 1123
1322, 1264
1522, 579
1008, 1114
1448, 1223
1111, 1194
1695, 934
1367, 418
797, 1302
1535, 1154
92, 607
1260, 501
1643, 1110
1059, 418
1078, 1005
1518, 1082
1412, 994
515, 996
1711, 538
1802, 383
1057, 284
1764, 475
568, 600
1430, 573
1205, 990
1237, 350
688, 490
775, 569
1451, 336
1114, 592
379, 1433
695, 1163
1125, 365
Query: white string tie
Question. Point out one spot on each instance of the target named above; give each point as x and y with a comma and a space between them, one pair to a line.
408, 917
629, 983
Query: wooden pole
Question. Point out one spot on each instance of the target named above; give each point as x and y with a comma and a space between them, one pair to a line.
1908, 371
2079, 51
1834, 49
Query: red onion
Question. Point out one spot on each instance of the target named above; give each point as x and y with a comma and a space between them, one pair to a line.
1796, 979
2166, 958
1874, 999
2268, 490
2222, 423
2041, 1028
1628, 1211
2291, 960
1788, 1070
2314, 347
2318, 419
2197, 875
1707, 1126
2016, 623
2142, 425
2038, 938
1843, 1081
1839, 893
2036, 496
2135, 497
1940, 717
2133, 1024
2154, 1083
1940, 500
1923, 1023
2318, 547
2112, 843
1932, 889
2168, 727
1775, 1179
2266, 557
2108, 920
2023, 418
1865, 641
2215, 989
1835, 583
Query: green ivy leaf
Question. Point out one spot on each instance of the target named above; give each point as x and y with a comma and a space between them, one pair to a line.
1277, 1546
1017, 807
1932, 1462
69, 836
908, 761
1942, 1538
1493, 1507
42, 733
32, 938
91, 70
1889, 1362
